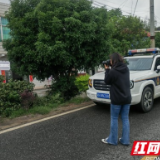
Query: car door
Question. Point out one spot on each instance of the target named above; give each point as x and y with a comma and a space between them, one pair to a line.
157, 78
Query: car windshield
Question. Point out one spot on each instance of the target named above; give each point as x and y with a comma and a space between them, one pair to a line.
139, 64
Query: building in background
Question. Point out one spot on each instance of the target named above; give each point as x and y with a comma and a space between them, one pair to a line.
4, 30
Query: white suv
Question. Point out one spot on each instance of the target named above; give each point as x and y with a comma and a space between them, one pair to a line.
144, 79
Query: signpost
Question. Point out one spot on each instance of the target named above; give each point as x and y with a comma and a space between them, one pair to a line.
5, 65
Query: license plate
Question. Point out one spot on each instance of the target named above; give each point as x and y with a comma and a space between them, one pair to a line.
103, 95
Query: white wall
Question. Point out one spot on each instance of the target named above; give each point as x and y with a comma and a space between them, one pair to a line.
40, 85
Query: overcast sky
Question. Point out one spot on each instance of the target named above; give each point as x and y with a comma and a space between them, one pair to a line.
128, 7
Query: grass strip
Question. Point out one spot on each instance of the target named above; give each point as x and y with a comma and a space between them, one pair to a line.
47, 107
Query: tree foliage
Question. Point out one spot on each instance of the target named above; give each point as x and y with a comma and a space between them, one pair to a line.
115, 13
51, 37
82, 83
59, 37
128, 33
12, 95
157, 39
24, 29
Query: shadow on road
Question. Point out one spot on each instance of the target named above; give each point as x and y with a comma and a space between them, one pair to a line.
102, 108
135, 109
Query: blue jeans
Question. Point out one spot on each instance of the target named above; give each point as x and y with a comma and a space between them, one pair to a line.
123, 110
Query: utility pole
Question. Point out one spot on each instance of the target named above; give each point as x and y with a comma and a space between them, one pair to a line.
152, 26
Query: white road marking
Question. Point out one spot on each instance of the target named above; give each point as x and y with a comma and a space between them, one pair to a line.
44, 119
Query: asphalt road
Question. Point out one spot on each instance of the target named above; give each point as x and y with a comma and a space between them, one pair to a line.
77, 136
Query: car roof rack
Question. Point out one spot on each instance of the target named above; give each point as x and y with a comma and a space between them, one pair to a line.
144, 51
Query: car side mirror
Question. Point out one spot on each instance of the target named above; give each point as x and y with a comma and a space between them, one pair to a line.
158, 69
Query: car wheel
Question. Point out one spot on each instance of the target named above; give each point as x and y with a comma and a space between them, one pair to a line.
147, 100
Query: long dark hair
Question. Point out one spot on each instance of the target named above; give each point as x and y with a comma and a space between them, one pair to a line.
116, 58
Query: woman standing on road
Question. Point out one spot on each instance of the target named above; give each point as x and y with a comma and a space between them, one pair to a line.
118, 78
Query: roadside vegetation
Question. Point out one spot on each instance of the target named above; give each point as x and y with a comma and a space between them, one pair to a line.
157, 39
59, 38
17, 98
48, 106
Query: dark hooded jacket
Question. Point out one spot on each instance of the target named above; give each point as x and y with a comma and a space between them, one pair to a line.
118, 78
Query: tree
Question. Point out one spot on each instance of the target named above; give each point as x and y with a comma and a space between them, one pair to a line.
157, 39
128, 33
115, 13
54, 37
147, 24
24, 30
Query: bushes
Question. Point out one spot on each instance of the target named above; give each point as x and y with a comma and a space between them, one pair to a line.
18, 95
10, 95
27, 99
70, 87
82, 83
50, 99
66, 87
2, 78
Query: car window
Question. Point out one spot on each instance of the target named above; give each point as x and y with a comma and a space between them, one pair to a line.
139, 64
157, 63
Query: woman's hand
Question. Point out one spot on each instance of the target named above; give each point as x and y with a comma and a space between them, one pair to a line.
106, 67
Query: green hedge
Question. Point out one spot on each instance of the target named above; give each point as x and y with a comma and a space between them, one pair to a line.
66, 87
11, 95
18, 94
82, 83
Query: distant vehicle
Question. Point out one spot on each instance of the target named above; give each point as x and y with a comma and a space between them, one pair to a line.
144, 66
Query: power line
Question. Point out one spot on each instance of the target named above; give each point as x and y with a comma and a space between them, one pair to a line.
105, 5
142, 11
122, 3
110, 6
99, 3
102, 4
135, 7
